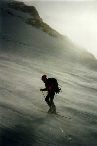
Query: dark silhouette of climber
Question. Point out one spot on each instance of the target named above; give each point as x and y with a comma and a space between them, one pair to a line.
51, 86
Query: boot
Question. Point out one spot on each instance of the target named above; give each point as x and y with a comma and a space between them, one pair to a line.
50, 110
53, 109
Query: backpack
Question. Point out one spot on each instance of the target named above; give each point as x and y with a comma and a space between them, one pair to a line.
55, 86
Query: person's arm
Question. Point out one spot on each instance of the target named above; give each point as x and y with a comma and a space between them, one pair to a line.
45, 89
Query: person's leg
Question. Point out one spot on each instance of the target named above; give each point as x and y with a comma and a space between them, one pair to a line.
53, 107
51, 100
47, 100
51, 95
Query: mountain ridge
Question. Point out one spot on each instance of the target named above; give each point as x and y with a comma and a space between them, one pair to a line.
34, 18
17, 14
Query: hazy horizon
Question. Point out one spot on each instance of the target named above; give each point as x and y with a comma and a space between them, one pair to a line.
74, 19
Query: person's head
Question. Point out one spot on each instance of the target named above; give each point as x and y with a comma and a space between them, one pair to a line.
44, 78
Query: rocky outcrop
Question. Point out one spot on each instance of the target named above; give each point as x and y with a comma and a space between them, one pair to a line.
34, 18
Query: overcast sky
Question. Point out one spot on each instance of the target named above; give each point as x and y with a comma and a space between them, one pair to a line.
75, 18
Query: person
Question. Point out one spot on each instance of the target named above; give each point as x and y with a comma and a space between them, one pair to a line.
51, 86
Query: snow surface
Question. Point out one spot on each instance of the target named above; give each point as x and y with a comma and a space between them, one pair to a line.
25, 54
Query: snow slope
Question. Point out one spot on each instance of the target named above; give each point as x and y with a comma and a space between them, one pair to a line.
25, 54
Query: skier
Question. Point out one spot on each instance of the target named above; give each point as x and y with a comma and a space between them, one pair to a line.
51, 86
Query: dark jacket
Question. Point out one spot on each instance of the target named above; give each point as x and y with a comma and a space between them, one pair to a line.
51, 85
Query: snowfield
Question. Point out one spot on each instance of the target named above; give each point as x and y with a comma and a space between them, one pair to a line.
26, 53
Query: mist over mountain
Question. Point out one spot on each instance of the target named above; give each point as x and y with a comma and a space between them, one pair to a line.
21, 24
30, 48
33, 16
